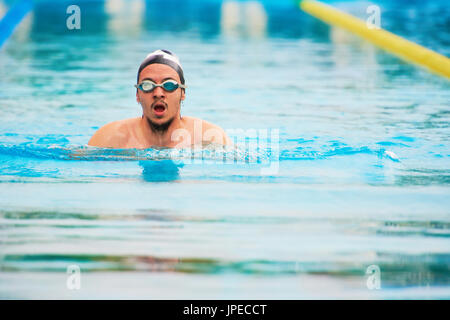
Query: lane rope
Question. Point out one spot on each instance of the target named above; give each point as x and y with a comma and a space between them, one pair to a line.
13, 18
404, 49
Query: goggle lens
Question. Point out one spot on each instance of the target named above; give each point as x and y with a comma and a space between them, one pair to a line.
170, 85
147, 86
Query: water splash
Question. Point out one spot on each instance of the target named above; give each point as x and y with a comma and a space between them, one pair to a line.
211, 152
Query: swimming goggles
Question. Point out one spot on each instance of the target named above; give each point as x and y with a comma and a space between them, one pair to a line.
168, 85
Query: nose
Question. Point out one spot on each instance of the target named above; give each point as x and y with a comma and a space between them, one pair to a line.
158, 93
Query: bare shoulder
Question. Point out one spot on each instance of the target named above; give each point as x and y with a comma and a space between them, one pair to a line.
211, 132
114, 134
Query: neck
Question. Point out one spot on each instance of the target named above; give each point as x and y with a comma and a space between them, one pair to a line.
160, 136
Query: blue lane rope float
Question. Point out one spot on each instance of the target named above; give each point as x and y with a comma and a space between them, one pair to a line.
13, 18
404, 49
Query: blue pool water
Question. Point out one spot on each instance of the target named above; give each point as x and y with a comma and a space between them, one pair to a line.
352, 166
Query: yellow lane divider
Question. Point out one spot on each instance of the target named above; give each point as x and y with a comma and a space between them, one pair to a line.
388, 41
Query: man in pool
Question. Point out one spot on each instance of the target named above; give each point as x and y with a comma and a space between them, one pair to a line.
160, 89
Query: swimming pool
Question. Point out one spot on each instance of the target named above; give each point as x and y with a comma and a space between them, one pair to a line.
362, 162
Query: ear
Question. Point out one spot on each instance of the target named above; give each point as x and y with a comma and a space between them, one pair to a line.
182, 95
137, 97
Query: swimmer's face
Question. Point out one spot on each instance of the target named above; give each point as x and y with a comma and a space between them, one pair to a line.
160, 106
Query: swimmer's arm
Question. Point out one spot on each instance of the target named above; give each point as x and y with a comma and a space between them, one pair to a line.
110, 135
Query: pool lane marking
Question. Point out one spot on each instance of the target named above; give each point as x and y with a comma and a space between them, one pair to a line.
405, 49
13, 18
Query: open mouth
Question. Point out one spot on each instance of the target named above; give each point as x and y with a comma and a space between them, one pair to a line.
159, 108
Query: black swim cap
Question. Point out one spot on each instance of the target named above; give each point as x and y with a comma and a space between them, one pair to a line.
163, 57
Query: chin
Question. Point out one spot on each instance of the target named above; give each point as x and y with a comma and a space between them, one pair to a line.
160, 125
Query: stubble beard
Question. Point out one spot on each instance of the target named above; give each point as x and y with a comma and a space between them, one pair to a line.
159, 128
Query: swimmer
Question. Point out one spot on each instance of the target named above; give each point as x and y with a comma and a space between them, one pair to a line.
160, 89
